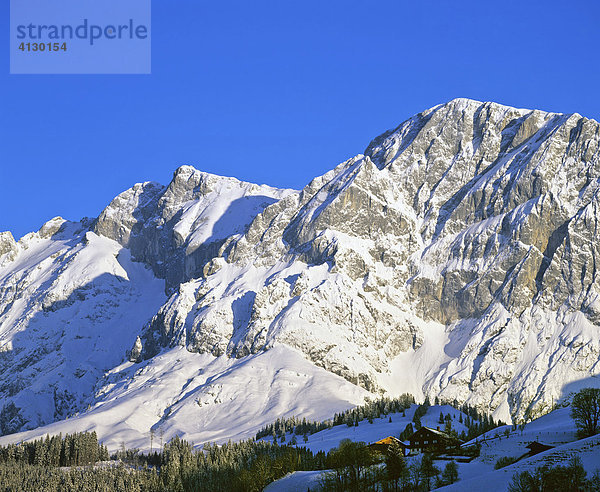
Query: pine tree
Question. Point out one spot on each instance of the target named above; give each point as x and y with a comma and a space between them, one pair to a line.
428, 470
407, 432
396, 467
450, 474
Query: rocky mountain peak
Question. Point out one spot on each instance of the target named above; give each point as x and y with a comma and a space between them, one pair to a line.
179, 228
460, 216
455, 258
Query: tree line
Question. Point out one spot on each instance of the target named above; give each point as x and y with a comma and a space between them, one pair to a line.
370, 410
245, 466
233, 467
569, 477
81, 448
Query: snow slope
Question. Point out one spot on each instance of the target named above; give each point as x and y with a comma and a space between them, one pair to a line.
299, 481
71, 305
556, 429
202, 398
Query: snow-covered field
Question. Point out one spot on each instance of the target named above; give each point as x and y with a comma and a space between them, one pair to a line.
556, 429
299, 481
588, 450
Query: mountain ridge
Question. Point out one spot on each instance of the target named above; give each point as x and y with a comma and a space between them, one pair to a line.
454, 258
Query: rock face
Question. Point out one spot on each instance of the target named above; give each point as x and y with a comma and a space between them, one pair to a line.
136, 351
474, 216
178, 229
8, 247
455, 258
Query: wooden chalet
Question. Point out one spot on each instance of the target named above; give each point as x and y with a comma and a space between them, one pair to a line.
383, 445
427, 440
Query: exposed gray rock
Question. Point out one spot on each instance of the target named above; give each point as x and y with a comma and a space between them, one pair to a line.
52, 227
178, 229
476, 216
135, 354
8, 247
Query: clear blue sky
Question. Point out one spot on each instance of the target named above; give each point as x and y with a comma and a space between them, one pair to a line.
278, 92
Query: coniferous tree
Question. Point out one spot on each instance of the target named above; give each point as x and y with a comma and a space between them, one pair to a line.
396, 467
450, 473
407, 432
428, 470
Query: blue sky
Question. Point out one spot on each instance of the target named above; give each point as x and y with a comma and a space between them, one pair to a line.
278, 92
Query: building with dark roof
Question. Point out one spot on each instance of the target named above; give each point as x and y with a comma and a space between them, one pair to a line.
427, 440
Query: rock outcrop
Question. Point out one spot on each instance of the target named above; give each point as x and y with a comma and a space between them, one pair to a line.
8, 247
178, 229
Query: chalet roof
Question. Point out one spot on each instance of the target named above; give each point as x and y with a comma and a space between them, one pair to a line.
435, 431
387, 441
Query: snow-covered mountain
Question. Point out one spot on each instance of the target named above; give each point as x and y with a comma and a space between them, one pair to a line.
455, 258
